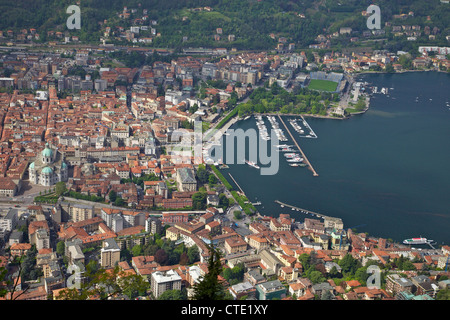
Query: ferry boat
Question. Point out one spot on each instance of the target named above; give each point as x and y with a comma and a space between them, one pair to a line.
417, 241
252, 164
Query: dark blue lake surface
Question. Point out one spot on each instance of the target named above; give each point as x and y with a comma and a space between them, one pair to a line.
386, 172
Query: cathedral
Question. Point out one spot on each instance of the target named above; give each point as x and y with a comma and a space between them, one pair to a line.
48, 168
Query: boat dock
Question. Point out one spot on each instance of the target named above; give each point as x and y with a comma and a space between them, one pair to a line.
236, 183
315, 174
282, 204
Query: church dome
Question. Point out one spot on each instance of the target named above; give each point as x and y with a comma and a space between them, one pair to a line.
47, 170
32, 165
47, 152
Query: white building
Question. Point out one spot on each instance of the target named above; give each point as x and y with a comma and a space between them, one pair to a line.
163, 281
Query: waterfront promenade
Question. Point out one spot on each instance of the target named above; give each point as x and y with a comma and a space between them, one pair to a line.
315, 174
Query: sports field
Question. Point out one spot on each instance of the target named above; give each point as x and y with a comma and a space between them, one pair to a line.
322, 85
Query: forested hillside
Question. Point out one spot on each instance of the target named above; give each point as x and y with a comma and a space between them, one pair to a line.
253, 24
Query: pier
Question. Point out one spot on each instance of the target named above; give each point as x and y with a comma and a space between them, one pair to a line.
302, 210
236, 183
315, 174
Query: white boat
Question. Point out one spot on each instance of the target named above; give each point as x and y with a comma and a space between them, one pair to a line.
252, 164
291, 155
282, 145
297, 159
417, 241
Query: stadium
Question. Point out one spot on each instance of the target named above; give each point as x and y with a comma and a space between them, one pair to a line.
331, 82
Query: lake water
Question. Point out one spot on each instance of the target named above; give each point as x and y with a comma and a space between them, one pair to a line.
385, 172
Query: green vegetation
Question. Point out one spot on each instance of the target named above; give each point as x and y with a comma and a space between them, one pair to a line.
234, 275
251, 22
227, 118
277, 100
165, 251
140, 180
77, 195
322, 85
221, 177
199, 200
210, 287
358, 107
104, 285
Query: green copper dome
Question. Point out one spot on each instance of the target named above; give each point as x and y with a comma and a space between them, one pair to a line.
47, 170
47, 152
32, 165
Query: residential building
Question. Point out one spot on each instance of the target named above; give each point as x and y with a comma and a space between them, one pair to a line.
8, 188
396, 284
270, 289
243, 289
163, 281
109, 254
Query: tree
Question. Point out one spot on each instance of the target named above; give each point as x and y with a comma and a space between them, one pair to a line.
334, 273
173, 295
209, 287
199, 200
184, 259
161, 257
3, 288
223, 201
202, 174
119, 202
348, 264
316, 276
389, 68
212, 179
112, 196
60, 248
443, 294
136, 251
305, 260
193, 254
60, 188
104, 285
237, 214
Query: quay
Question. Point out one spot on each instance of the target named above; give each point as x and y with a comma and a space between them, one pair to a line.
315, 174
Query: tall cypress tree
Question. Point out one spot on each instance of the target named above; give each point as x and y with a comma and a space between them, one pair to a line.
209, 287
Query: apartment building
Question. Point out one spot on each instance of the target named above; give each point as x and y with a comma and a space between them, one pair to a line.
109, 254
163, 281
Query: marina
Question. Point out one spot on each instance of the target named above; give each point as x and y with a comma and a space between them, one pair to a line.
305, 159
262, 128
276, 128
348, 188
